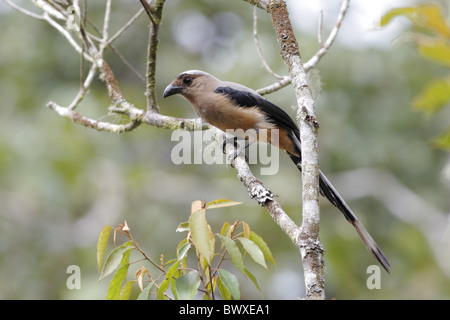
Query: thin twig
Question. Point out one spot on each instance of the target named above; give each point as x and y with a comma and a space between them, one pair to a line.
275, 86
258, 46
84, 86
148, 10
105, 32
83, 47
330, 40
126, 63
106, 20
67, 35
125, 27
91, 123
312, 62
115, 51
49, 9
24, 11
261, 4
319, 28
136, 245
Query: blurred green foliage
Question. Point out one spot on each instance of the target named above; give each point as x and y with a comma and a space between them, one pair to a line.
60, 183
431, 33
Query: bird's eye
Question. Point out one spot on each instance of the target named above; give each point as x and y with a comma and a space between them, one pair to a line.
187, 81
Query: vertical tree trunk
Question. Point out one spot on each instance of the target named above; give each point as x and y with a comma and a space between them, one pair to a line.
310, 247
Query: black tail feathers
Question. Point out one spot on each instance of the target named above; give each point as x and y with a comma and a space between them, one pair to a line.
329, 192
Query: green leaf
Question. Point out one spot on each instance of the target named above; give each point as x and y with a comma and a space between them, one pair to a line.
125, 292
224, 293
116, 282
221, 203
234, 253
172, 284
201, 234
396, 12
230, 282
435, 49
246, 228
114, 259
186, 286
226, 230
101, 246
263, 246
182, 227
426, 16
442, 141
253, 278
166, 282
254, 251
182, 251
146, 292
433, 97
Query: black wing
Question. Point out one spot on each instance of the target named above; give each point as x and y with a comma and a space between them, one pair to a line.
247, 99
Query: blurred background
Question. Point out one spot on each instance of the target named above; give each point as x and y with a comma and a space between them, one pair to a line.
61, 183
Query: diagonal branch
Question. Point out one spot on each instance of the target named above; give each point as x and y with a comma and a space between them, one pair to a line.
260, 193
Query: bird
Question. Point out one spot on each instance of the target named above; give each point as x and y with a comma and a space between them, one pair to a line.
233, 106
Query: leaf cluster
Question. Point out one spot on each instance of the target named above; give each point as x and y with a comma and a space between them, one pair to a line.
431, 34
176, 278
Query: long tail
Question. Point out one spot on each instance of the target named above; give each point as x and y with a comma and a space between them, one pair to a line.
328, 191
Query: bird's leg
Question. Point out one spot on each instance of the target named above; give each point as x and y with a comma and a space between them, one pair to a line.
236, 145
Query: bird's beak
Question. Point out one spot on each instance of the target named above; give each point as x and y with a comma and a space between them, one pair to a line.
171, 90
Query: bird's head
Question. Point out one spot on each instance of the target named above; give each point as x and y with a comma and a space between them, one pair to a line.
188, 82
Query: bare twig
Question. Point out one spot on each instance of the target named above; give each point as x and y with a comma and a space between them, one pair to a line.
49, 9
262, 4
258, 46
126, 63
113, 47
24, 11
91, 123
333, 34
68, 36
319, 28
125, 27
84, 85
148, 10
312, 62
106, 22
275, 86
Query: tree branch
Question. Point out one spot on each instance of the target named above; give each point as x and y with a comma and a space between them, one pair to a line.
155, 15
258, 47
306, 237
259, 192
312, 62
330, 40
310, 246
